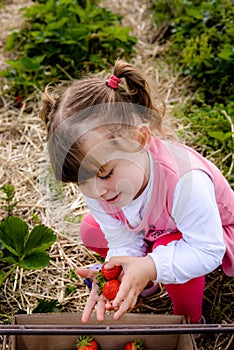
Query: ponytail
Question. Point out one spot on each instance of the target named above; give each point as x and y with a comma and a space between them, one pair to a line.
137, 85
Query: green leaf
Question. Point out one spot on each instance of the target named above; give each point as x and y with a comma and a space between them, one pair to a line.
1, 277
13, 234
45, 306
11, 41
29, 64
97, 60
35, 261
220, 135
58, 24
227, 53
9, 258
40, 238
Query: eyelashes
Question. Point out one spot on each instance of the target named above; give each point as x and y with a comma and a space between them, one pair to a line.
107, 176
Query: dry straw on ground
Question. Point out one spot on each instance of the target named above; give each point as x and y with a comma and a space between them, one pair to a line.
24, 163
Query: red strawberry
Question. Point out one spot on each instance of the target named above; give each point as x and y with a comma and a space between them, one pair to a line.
110, 274
134, 345
86, 343
110, 289
18, 101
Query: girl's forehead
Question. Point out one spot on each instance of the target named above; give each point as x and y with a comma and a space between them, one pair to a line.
100, 143
101, 149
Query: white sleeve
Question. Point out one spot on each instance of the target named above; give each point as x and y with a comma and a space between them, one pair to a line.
121, 241
201, 248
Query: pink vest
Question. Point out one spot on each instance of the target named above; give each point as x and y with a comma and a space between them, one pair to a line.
171, 161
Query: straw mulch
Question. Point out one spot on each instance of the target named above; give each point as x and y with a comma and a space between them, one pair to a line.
24, 163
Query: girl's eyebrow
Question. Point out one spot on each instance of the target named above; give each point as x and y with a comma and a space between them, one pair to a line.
104, 167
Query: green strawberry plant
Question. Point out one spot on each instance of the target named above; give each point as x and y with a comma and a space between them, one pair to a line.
20, 247
44, 306
64, 39
211, 126
9, 193
24, 248
198, 37
201, 37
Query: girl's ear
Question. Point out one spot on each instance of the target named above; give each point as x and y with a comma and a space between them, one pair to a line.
144, 136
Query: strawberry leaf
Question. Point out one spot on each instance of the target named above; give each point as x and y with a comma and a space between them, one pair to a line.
13, 234
9, 258
40, 238
1, 277
35, 261
23, 248
83, 341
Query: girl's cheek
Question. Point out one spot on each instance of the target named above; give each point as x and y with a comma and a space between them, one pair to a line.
83, 190
124, 185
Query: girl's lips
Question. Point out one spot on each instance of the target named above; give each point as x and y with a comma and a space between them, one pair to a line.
113, 200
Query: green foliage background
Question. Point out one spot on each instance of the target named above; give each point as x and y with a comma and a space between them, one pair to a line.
202, 32
199, 42
63, 39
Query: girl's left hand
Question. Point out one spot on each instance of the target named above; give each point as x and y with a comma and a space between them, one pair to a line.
137, 273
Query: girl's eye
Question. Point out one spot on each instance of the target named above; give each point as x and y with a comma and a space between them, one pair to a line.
107, 176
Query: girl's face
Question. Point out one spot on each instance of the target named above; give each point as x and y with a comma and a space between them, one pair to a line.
122, 176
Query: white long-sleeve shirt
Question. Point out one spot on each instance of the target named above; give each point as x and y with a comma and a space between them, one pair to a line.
200, 250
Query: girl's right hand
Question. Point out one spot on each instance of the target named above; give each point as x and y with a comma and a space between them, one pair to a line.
94, 300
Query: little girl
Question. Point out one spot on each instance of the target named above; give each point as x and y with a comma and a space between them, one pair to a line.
157, 207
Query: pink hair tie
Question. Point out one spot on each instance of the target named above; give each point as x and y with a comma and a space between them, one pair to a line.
113, 82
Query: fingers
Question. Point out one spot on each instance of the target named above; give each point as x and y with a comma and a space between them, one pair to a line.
124, 306
90, 305
86, 273
94, 301
115, 261
101, 308
126, 299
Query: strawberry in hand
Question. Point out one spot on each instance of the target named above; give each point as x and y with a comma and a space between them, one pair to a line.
134, 345
108, 282
110, 289
110, 274
86, 343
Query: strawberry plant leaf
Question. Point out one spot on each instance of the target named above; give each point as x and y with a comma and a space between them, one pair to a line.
13, 234
40, 238
220, 135
45, 306
9, 258
35, 261
1, 277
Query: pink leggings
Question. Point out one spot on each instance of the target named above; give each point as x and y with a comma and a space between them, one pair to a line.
186, 298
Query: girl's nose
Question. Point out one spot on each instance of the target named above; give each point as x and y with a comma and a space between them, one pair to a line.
100, 189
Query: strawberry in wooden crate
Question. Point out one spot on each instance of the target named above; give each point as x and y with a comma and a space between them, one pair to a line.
86, 343
134, 345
